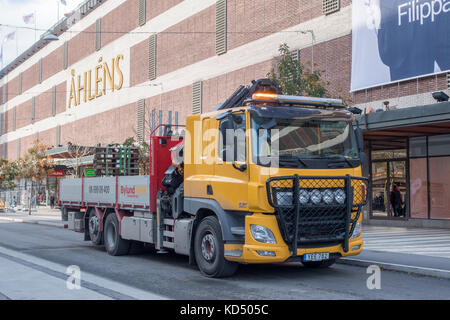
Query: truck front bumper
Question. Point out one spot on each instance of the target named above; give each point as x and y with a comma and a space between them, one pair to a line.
253, 251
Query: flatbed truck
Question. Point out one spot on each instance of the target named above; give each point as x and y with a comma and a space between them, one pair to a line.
263, 178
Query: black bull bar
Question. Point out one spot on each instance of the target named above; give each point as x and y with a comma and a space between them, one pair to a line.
312, 210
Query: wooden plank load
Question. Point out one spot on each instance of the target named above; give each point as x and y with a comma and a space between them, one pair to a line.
116, 160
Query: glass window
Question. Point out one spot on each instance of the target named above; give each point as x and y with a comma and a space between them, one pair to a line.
397, 188
439, 145
307, 139
440, 188
418, 188
418, 147
380, 189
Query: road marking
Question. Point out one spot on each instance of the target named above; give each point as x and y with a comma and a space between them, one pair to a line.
38, 222
398, 267
426, 242
4, 297
24, 281
106, 287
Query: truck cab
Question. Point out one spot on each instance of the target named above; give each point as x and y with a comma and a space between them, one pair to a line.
280, 176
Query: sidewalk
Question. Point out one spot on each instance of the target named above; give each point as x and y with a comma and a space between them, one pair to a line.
413, 250
43, 216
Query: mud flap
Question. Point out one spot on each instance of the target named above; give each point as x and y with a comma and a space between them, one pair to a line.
87, 237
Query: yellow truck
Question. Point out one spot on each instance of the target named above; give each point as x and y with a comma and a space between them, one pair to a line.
264, 178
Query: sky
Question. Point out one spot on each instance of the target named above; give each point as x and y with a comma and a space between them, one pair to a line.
12, 12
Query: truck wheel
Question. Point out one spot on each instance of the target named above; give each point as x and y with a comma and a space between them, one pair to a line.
95, 235
114, 244
209, 250
319, 264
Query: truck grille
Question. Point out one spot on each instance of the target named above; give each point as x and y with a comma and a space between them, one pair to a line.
317, 210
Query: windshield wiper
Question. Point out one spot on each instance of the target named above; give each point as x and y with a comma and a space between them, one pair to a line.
340, 158
290, 159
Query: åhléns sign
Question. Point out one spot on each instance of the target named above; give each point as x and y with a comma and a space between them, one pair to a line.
106, 77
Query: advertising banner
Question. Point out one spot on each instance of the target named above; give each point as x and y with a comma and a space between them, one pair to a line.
134, 190
396, 40
100, 190
57, 173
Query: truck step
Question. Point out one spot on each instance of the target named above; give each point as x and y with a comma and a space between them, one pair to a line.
170, 245
169, 234
169, 222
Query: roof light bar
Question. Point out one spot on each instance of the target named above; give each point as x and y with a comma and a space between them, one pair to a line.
298, 100
265, 96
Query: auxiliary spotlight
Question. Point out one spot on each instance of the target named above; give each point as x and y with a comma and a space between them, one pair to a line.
440, 96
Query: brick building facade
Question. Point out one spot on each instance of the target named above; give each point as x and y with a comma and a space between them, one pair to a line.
34, 92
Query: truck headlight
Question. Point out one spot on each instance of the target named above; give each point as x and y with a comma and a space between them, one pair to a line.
316, 196
303, 197
284, 198
328, 196
339, 196
262, 234
357, 231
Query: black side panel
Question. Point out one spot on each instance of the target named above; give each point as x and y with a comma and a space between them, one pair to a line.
228, 219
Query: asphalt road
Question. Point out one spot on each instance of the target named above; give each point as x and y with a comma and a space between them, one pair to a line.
33, 260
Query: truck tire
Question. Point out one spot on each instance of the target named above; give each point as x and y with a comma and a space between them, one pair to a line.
209, 250
93, 225
319, 264
114, 244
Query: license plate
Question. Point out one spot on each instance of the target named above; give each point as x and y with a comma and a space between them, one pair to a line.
316, 256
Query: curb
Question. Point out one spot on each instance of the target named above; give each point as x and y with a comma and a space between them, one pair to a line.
42, 223
423, 271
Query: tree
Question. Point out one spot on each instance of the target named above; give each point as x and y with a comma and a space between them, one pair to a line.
35, 166
294, 79
9, 171
144, 154
77, 153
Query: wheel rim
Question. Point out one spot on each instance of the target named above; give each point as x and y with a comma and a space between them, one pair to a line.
208, 247
93, 225
111, 235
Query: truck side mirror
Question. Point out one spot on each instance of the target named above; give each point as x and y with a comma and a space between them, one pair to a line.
363, 159
359, 139
225, 126
227, 139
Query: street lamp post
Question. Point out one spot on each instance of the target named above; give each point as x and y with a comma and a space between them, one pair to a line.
160, 84
313, 41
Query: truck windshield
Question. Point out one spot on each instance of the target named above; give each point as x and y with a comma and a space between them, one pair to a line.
300, 142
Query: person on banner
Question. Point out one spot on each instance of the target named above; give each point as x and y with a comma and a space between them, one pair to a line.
396, 201
442, 34
406, 40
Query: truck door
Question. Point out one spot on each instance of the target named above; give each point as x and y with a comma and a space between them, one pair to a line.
230, 185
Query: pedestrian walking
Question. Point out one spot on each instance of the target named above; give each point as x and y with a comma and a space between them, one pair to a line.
396, 201
52, 201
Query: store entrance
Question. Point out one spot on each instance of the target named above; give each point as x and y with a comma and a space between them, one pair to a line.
389, 186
